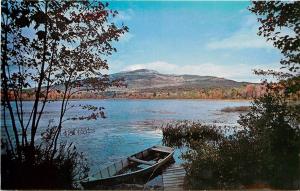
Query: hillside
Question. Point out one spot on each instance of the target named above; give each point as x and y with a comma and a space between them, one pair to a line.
150, 84
150, 79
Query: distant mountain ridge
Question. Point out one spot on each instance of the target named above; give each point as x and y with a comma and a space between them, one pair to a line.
151, 79
150, 84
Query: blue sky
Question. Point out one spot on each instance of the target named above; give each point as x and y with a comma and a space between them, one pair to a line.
203, 38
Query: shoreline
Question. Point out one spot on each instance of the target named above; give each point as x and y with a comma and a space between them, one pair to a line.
190, 99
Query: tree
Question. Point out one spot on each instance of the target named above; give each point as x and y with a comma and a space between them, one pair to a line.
264, 151
51, 46
274, 118
280, 24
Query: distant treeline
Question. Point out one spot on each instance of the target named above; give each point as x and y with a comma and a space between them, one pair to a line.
246, 92
249, 91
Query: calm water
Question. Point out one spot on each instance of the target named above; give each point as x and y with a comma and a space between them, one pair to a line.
131, 125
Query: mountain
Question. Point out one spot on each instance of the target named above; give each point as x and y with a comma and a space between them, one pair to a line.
150, 84
144, 79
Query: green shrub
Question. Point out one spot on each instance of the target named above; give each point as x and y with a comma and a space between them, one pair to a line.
263, 152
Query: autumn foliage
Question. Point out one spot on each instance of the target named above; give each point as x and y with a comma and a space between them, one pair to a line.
47, 49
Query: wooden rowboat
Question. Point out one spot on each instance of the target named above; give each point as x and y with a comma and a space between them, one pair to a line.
127, 170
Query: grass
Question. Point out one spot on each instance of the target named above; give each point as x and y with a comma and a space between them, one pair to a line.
236, 109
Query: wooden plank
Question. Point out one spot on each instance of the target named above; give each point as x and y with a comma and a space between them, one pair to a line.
178, 170
175, 166
173, 178
174, 182
141, 161
171, 172
174, 188
160, 150
175, 174
173, 185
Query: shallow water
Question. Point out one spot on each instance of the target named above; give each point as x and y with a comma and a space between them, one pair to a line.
132, 125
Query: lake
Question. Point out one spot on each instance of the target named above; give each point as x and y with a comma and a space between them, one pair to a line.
133, 125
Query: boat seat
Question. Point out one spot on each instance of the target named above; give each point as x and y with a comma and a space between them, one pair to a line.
141, 161
159, 150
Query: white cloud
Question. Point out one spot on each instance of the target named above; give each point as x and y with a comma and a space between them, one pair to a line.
124, 15
240, 41
126, 37
238, 72
245, 37
160, 66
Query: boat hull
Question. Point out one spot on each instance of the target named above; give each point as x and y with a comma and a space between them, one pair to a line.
132, 177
